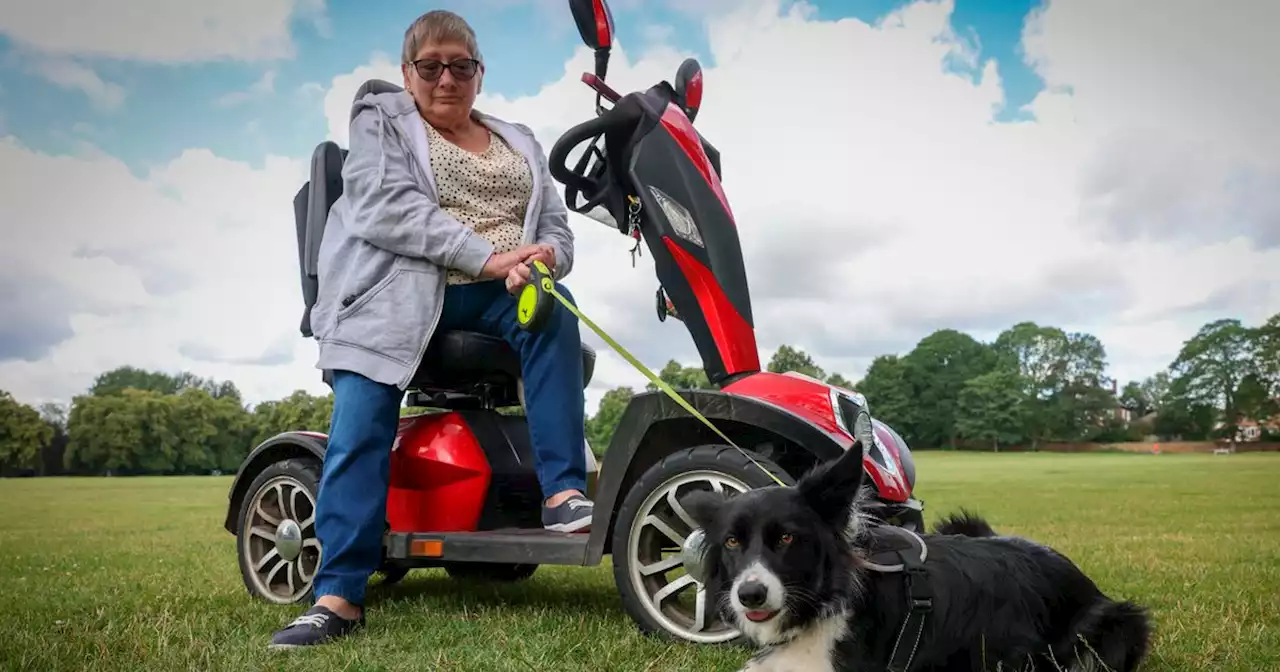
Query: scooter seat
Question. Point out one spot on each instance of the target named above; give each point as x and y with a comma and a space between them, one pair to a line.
457, 358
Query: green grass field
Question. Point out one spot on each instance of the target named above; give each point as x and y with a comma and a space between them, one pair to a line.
136, 573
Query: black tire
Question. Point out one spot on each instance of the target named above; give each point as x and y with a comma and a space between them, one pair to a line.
490, 571
392, 574
299, 472
721, 460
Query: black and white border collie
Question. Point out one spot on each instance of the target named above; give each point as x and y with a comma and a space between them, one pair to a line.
789, 567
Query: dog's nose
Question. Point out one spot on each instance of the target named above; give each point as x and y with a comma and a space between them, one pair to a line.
752, 594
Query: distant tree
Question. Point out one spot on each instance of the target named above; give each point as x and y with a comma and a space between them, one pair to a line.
130, 377
1155, 390
681, 377
839, 381
787, 358
936, 371
1267, 354
989, 408
51, 454
22, 434
600, 427
1254, 399
300, 411
108, 432
136, 431
1134, 398
1062, 380
1082, 403
1182, 416
1038, 353
1212, 365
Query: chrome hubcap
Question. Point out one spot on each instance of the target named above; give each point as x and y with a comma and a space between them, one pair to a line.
673, 597
279, 543
288, 540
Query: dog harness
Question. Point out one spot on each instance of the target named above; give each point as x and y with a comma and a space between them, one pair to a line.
894, 550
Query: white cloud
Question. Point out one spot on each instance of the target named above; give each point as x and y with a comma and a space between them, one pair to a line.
195, 257
69, 74
1180, 101
658, 32
264, 86
876, 199
162, 30
342, 90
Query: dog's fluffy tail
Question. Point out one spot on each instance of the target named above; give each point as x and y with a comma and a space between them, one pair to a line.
964, 523
1117, 634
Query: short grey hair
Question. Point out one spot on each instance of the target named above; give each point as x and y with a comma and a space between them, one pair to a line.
439, 25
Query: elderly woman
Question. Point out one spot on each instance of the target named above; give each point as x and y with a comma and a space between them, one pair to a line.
442, 208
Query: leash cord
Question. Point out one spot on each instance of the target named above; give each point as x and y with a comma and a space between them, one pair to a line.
549, 286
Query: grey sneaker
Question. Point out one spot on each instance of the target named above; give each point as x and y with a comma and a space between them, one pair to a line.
317, 626
572, 515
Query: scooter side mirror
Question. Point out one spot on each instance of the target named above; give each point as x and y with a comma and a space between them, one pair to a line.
595, 26
688, 87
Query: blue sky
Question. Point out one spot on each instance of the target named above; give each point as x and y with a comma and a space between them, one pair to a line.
168, 108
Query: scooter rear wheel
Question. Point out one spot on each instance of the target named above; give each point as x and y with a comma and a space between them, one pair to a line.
276, 546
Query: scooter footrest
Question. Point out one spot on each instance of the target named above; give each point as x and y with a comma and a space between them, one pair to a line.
524, 546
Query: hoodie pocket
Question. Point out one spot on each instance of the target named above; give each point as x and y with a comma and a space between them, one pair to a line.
350, 308
392, 318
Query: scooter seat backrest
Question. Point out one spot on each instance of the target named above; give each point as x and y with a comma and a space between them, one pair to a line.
311, 210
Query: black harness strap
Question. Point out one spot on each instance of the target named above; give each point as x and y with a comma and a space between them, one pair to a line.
921, 598
897, 550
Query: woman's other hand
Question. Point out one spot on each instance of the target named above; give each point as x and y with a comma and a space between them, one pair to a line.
518, 277
499, 265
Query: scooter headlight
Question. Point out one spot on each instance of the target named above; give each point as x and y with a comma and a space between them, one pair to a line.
853, 416
681, 221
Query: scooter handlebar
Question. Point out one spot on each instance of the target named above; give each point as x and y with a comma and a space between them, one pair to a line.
560, 151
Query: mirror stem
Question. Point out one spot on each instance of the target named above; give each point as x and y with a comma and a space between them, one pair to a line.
602, 62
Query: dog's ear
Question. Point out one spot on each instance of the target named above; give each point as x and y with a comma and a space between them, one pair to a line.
831, 488
703, 506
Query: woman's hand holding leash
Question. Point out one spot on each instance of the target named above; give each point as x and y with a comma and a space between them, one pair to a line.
519, 274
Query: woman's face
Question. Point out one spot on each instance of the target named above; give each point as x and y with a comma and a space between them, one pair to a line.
443, 80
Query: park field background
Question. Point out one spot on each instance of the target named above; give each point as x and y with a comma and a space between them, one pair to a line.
113, 574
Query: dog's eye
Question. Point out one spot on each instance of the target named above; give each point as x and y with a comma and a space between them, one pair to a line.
731, 542
786, 538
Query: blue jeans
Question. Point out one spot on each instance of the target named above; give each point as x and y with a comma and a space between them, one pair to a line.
352, 498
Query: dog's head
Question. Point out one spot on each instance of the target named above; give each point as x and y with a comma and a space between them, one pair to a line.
779, 558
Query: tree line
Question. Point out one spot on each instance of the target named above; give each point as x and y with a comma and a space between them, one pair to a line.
1031, 385
135, 422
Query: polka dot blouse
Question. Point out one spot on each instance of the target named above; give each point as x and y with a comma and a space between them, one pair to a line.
487, 191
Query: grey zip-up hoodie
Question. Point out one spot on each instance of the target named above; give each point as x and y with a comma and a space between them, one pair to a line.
388, 243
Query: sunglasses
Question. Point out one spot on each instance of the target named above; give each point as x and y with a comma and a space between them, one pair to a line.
462, 69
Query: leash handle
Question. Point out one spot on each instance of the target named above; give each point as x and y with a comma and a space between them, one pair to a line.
534, 304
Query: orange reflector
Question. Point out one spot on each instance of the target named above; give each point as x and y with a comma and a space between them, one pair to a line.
431, 548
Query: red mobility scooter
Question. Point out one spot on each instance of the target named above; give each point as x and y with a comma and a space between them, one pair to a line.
463, 494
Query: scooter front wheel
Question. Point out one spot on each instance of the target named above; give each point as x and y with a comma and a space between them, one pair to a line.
657, 592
